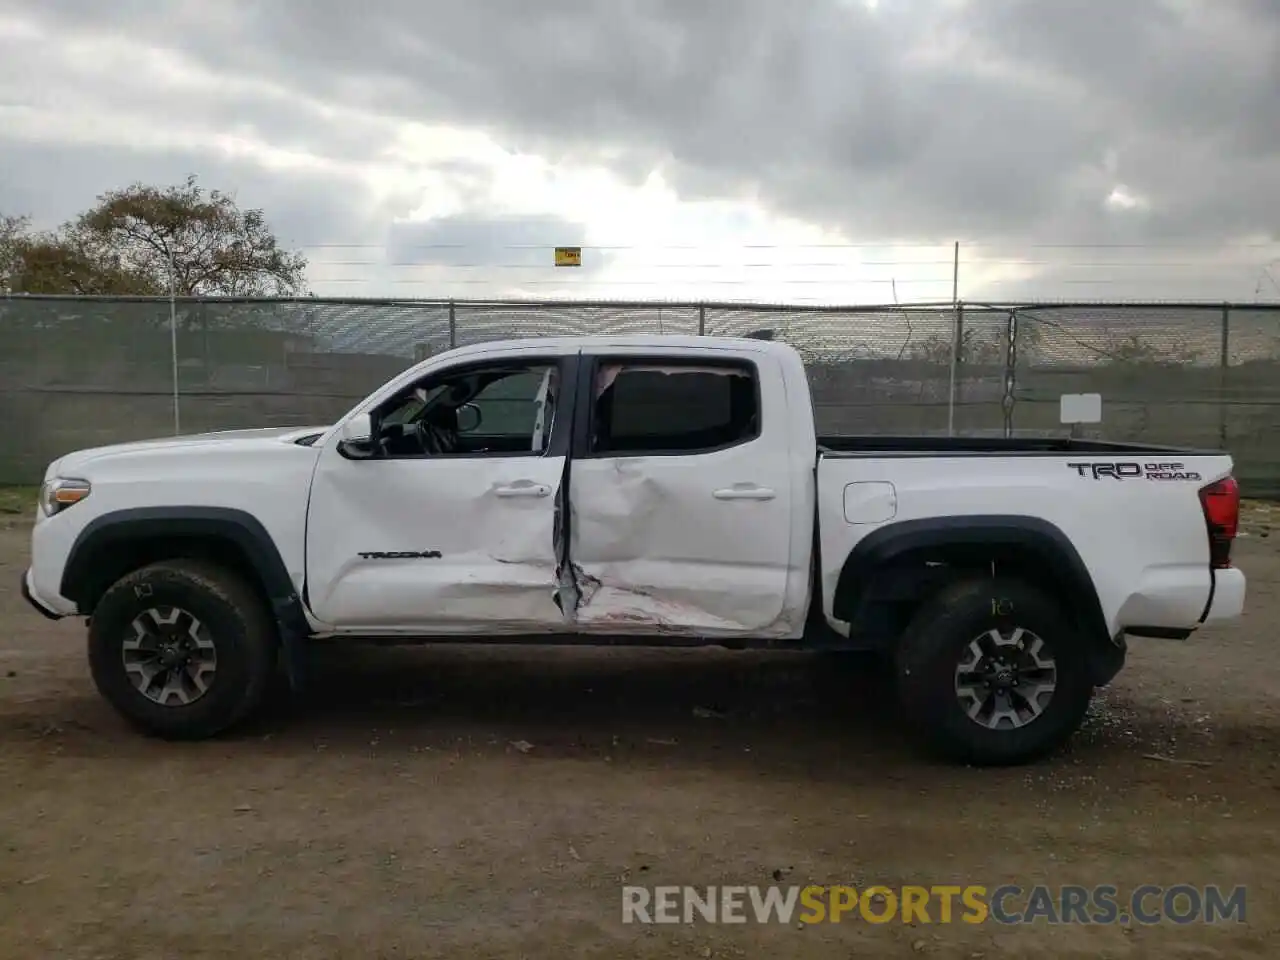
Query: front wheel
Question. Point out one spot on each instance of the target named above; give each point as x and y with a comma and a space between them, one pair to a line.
991, 672
183, 649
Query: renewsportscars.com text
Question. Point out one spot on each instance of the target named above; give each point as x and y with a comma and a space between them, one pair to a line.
972, 904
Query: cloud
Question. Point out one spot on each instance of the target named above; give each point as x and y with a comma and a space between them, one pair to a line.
830, 151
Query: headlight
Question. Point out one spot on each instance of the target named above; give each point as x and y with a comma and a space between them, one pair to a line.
58, 494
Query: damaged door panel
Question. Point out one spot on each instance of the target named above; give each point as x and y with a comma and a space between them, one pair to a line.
460, 537
566, 594
680, 507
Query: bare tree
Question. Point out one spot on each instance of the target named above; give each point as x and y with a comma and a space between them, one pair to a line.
130, 240
214, 247
58, 263
13, 232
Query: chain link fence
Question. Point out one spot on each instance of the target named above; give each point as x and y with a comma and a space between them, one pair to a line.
80, 372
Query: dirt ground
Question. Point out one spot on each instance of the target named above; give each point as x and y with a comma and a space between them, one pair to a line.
491, 803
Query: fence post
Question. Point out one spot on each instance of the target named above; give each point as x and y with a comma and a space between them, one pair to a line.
453, 326
1224, 362
702, 319
173, 345
957, 340
1010, 370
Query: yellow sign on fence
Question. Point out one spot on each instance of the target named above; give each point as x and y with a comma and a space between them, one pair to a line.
568, 256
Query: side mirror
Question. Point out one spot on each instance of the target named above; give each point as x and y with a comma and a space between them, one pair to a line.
359, 429
356, 436
469, 418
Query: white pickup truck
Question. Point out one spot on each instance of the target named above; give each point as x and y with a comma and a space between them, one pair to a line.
655, 490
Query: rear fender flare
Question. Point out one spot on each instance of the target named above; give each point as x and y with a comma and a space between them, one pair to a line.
1052, 548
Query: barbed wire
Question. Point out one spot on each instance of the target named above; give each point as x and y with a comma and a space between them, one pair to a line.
1226, 271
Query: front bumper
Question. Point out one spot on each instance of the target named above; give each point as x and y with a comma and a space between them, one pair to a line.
32, 599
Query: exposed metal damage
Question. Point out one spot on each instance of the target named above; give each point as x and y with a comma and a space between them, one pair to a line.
588, 586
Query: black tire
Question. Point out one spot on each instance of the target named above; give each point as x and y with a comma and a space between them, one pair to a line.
235, 620
935, 644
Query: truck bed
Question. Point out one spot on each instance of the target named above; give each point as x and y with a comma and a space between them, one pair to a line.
917, 446
1131, 512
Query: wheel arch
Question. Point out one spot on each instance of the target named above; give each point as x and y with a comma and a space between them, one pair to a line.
904, 563
116, 543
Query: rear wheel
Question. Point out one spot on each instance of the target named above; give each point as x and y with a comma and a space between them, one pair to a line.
183, 649
991, 672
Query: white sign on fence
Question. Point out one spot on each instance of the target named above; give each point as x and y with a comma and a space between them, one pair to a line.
1080, 408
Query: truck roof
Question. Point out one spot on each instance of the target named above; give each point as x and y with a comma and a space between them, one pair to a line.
571, 344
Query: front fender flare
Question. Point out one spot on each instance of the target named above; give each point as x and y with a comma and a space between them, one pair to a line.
80, 583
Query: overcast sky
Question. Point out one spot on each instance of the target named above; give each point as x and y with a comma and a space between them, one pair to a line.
825, 150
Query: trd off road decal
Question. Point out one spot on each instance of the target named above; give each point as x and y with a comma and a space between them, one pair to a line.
1134, 471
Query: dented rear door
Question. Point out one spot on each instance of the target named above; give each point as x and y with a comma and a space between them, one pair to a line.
680, 495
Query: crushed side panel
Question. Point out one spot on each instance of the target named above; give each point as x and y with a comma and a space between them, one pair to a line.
649, 555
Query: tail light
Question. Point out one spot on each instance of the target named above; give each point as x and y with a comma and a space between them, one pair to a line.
1220, 502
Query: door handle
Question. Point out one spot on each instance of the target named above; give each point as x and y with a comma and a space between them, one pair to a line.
744, 491
523, 488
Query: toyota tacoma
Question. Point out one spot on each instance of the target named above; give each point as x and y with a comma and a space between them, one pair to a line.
634, 490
